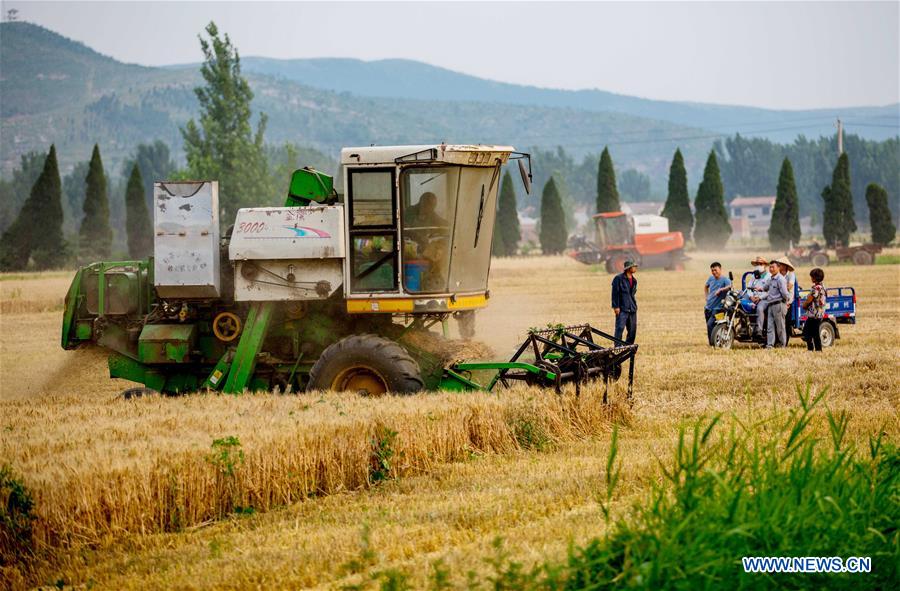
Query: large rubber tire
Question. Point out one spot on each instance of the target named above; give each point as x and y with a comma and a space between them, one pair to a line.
367, 364
722, 336
820, 259
826, 333
863, 257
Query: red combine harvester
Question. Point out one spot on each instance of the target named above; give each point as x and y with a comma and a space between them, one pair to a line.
621, 237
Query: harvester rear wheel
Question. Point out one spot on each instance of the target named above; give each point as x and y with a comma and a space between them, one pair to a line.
367, 364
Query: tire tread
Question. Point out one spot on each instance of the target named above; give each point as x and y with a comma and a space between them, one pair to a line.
407, 378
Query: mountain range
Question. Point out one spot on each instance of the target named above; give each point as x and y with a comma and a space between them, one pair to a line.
416, 80
56, 90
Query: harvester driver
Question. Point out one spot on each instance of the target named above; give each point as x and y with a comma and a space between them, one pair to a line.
429, 231
424, 216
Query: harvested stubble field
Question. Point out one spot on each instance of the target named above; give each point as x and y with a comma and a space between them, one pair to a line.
324, 491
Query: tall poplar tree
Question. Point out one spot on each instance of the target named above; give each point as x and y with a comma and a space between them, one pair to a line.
223, 145
678, 202
95, 235
37, 231
506, 229
713, 228
883, 229
553, 220
607, 193
137, 218
838, 220
784, 228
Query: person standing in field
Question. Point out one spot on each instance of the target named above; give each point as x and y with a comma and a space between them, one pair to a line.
716, 288
775, 303
814, 304
790, 278
624, 302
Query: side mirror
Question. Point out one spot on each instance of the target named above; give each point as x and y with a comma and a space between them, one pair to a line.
731, 276
526, 176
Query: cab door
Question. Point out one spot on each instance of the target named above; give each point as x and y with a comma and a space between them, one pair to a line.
372, 230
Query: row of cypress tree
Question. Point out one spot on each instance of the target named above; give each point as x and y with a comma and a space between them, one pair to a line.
711, 228
839, 220
709, 223
35, 239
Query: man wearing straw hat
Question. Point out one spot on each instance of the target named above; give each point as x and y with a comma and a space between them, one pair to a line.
758, 288
760, 281
790, 278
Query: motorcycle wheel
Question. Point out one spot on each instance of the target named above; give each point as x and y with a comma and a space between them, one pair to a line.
722, 336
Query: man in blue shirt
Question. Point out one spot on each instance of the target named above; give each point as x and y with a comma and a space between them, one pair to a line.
716, 288
624, 303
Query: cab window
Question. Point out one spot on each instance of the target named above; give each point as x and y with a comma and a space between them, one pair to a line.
428, 197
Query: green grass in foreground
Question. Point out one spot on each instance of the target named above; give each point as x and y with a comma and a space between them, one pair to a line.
763, 487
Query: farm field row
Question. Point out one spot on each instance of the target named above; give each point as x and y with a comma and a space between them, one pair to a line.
523, 465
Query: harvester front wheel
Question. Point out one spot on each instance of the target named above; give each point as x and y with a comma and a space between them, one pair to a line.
367, 364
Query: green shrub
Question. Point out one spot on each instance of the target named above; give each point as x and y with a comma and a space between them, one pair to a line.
226, 455
16, 517
382, 452
530, 432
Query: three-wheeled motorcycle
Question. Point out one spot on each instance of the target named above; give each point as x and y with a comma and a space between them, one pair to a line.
737, 318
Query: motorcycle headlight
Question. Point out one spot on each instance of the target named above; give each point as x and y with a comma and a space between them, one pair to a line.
729, 300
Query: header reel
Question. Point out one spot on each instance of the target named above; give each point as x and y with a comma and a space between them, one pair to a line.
552, 357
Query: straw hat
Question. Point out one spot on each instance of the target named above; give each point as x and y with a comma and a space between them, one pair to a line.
784, 261
759, 261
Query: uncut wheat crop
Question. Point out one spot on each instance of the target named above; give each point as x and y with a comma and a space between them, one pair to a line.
208, 491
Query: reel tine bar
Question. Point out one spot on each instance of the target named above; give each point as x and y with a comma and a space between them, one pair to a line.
572, 354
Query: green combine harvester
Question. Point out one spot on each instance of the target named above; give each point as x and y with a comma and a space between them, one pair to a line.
328, 292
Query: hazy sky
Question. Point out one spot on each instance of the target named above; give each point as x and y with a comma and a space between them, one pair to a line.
779, 55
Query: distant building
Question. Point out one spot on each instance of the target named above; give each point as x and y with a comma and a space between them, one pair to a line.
528, 226
750, 216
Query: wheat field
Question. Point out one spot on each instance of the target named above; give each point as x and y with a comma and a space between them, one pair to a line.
261, 491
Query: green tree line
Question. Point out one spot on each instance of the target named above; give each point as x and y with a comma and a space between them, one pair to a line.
750, 166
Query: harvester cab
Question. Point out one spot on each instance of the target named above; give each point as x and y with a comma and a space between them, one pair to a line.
326, 292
